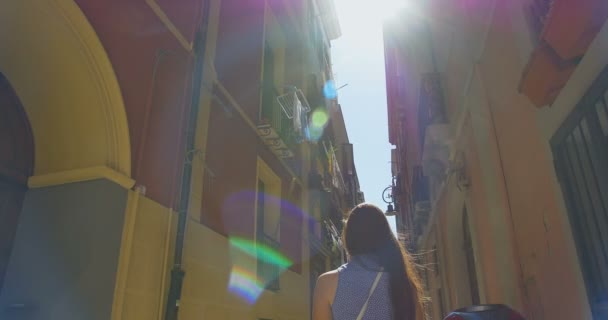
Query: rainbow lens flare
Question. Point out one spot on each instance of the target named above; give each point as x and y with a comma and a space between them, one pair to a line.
329, 90
243, 281
261, 252
319, 118
318, 122
244, 284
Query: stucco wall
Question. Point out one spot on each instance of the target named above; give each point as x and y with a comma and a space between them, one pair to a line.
147, 258
523, 245
208, 263
65, 253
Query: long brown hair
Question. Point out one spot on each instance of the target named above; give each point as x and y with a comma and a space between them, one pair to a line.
367, 232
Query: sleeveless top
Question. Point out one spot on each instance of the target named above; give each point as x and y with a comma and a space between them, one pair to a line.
355, 280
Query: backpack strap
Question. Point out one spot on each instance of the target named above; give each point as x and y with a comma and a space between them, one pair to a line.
371, 291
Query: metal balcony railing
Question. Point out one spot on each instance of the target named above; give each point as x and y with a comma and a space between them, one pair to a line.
320, 240
274, 126
283, 120
431, 107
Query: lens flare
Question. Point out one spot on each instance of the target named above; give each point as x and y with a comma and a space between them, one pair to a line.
244, 284
329, 90
257, 265
320, 118
318, 122
261, 252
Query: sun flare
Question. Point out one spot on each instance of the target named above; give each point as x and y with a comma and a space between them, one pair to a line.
364, 19
386, 9
363, 12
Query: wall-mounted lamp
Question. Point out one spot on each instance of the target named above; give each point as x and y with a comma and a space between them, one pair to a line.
387, 196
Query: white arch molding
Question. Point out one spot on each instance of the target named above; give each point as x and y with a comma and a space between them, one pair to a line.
58, 67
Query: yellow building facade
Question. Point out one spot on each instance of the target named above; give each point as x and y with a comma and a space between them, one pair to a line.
505, 219
104, 98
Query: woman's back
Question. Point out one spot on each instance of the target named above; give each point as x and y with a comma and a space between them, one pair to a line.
355, 279
341, 294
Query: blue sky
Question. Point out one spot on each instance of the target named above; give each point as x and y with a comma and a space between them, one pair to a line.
358, 60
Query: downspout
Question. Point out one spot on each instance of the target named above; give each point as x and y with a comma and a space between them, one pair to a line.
177, 273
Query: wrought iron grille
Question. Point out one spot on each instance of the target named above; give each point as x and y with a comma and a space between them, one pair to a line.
431, 109
580, 149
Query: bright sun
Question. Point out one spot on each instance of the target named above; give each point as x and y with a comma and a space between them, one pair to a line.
386, 9
365, 11
364, 18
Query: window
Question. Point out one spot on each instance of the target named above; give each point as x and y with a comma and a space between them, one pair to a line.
580, 149
268, 222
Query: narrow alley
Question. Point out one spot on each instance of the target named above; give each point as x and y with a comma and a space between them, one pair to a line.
200, 159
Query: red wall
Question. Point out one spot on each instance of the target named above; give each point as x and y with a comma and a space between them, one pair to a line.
154, 73
238, 59
228, 205
233, 146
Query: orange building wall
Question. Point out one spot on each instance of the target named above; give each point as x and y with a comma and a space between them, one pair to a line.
538, 230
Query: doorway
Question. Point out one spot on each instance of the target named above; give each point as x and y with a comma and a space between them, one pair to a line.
16, 165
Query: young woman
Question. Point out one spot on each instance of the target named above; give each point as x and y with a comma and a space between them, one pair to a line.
379, 282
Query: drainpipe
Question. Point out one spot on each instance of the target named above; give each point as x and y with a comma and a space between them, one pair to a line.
177, 273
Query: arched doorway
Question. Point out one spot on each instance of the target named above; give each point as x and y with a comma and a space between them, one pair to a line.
16, 165
65, 228
67, 86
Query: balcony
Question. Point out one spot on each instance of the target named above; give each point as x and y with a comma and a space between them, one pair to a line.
320, 240
283, 121
422, 211
338, 252
329, 18
571, 25
564, 30
435, 139
421, 200
431, 109
544, 76
334, 172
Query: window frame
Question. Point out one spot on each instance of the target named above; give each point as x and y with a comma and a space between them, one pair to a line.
272, 186
580, 151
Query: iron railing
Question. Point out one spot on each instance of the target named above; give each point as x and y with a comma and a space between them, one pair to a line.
431, 108
273, 114
580, 149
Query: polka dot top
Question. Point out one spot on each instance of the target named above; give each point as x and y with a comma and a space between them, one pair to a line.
355, 280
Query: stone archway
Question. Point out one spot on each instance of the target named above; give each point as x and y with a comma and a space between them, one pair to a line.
16, 166
61, 73
65, 233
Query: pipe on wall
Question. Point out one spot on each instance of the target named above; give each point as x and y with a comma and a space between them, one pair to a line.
178, 273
